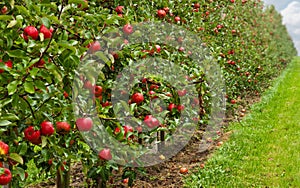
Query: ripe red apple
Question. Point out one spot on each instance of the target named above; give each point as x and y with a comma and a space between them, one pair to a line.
40, 63
117, 130
151, 121
33, 136
171, 106
177, 19
98, 91
66, 95
153, 86
166, 9
105, 104
152, 94
220, 143
127, 128
126, 180
5, 177
127, 29
47, 128
119, 9
8, 64
161, 13
32, 32
94, 46
63, 127
139, 129
137, 98
232, 1
50, 161
202, 165
196, 5
88, 85
232, 101
47, 33
183, 170
158, 49
105, 154
4, 148
4, 10
181, 49
181, 93
180, 107
84, 124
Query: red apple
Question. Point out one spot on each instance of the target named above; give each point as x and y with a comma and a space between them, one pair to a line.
158, 49
63, 127
117, 130
181, 92
127, 29
88, 85
33, 136
119, 9
183, 170
4, 148
202, 165
180, 107
196, 5
126, 180
127, 128
232, 101
84, 124
181, 49
40, 63
50, 161
105, 154
94, 46
105, 104
151, 121
220, 143
161, 13
4, 10
137, 98
32, 32
153, 86
171, 106
98, 91
177, 19
66, 95
8, 64
47, 33
5, 177
166, 9
47, 128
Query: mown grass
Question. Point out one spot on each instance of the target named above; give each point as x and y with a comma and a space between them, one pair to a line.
264, 149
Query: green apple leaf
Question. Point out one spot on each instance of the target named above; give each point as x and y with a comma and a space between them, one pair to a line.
12, 23
46, 22
5, 17
16, 157
17, 53
4, 123
29, 88
9, 116
12, 87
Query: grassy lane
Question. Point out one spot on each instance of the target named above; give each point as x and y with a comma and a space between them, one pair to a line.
264, 149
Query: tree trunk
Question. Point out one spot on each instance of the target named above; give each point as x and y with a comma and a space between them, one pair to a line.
63, 178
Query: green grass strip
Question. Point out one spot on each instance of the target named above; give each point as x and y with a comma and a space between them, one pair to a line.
264, 149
